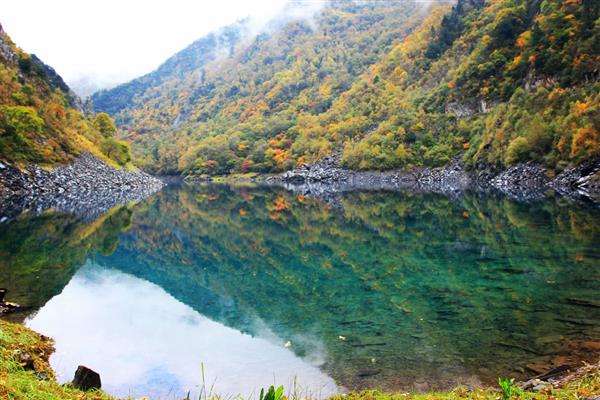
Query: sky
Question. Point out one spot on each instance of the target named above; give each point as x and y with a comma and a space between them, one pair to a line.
106, 42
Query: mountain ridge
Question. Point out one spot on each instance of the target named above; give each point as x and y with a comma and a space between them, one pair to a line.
41, 119
505, 81
180, 63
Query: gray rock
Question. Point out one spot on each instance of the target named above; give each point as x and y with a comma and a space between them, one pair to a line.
541, 387
523, 182
88, 187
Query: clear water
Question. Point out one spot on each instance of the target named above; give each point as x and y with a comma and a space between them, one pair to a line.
259, 286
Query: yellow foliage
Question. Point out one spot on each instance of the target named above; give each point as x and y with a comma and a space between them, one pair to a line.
516, 62
585, 142
580, 108
524, 39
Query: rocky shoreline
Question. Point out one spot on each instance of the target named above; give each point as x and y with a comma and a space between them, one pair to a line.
87, 188
524, 182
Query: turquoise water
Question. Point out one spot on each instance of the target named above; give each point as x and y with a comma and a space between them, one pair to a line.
259, 285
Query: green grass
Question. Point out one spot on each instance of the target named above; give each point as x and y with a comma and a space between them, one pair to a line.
236, 177
580, 386
21, 382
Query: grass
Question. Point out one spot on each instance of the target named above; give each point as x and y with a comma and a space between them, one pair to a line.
247, 177
25, 374
579, 386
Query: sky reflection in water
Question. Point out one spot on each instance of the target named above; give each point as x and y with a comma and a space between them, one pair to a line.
143, 341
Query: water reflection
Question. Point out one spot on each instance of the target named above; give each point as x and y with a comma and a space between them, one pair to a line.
389, 290
143, 341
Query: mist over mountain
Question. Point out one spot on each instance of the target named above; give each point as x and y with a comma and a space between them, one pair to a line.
198, 54
41, 118
387, 84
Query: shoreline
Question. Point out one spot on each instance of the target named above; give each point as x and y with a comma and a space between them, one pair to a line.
88, 188
25, 369
522, 182
526, 181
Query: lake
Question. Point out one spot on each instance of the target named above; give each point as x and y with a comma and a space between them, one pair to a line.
243, 287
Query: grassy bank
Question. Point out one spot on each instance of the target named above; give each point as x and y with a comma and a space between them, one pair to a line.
233, 178
25, 373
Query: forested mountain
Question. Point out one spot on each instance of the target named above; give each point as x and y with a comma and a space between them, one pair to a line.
41, 120
185, 62
390, 84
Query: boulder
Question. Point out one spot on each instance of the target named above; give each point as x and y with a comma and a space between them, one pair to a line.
86, 379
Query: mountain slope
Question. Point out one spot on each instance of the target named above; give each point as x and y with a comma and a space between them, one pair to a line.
40, 117
186, 61
391, 84
236, 105
519, 83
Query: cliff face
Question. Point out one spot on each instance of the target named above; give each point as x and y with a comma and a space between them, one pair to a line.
6, 49
56, 82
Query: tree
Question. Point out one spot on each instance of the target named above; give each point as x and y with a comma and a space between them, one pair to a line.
518, 150
116, 150
105, 125
20, 122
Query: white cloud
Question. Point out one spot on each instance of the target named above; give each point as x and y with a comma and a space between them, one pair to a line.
112, 41
143, 341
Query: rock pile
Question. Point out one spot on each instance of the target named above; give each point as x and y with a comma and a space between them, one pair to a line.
525, 182
325, 170
88, 187
583, 179
328, 172
522, 182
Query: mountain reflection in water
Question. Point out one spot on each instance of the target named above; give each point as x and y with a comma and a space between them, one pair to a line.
396, 291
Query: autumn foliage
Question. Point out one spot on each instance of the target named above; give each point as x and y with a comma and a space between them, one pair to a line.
391, 86
40, 122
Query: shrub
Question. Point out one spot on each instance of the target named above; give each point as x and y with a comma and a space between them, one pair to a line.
105, 125
585, 143
518, 150
20, 120
116, 150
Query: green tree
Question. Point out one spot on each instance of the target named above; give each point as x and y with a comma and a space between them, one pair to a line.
105, 125
116, 150
518, 150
